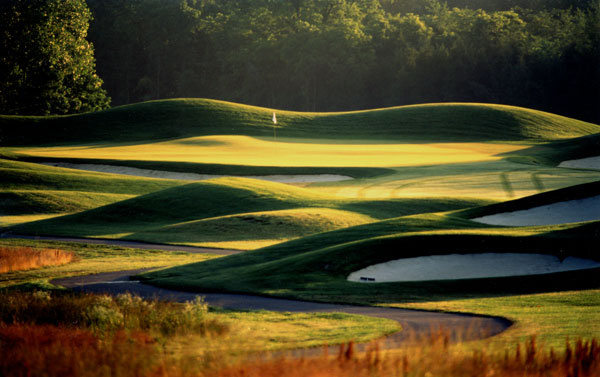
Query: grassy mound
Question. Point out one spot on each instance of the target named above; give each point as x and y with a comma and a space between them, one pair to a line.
28, 190
179, 118
315, 267
253, 230
16, 175
555, 152
18, 202
138, 217
214, 169
320, 274
569, 193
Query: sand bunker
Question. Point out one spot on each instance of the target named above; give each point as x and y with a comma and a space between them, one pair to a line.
591, 163
570, 211
467, 266
125, 170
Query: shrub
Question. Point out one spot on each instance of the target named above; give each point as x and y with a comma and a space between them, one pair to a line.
104, 313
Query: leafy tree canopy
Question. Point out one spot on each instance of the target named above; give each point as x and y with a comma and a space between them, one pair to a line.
328, 55
46, 64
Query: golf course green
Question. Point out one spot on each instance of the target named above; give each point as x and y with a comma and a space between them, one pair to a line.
416, 179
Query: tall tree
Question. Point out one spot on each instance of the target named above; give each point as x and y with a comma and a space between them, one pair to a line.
46, 64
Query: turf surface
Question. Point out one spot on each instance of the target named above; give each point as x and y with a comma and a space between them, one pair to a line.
421, 173
179, 118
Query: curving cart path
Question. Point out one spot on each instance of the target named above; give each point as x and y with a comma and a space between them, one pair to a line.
416, 324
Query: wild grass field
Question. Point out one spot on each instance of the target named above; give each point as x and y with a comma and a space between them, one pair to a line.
25, 258
419, 176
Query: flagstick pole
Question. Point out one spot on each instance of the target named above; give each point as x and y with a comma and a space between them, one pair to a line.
274, 125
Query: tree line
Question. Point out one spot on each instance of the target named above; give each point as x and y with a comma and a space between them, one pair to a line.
330, 55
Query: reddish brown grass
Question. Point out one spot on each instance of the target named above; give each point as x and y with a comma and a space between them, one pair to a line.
26, 258
581, 359
44, 350
53, 351
55, 335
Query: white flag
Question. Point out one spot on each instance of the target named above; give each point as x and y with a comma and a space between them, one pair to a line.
274, 118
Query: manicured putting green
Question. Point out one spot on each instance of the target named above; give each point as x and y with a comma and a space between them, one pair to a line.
243, 150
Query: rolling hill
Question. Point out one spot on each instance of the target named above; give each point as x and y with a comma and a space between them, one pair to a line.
182, 118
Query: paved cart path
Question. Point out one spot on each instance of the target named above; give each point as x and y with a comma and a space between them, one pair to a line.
416, 324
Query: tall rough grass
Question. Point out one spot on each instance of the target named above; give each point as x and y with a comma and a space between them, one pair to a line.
66, 334
578, 359
46, 350
69, 335
26, 258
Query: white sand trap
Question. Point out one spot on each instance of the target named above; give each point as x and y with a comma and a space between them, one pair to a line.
125, 170
570, 211
591, 163
467, 266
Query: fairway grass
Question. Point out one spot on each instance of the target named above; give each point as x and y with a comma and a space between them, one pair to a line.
276, 331
182, 118
250, 331
31, 191
236, 209
254, 230
420, 175
244, 150
551, 317
92, 259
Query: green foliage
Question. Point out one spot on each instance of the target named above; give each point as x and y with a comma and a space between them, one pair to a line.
334, 55
104, 314
46, 64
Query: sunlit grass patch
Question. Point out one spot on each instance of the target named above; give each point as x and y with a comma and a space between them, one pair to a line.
275, 331
253, 230
232, 209
25, 258
551, 317
6, 221
30, 192
491, 180
244, 150
92, 259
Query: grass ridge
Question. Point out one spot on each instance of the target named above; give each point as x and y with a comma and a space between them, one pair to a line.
178, 118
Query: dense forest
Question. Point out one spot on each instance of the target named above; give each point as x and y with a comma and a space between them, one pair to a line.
327, 55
